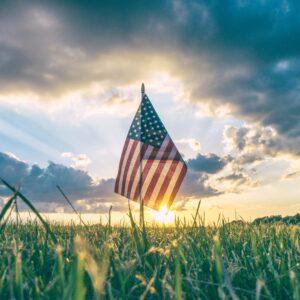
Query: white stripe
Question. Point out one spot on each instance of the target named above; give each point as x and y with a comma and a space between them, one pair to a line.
135, 157
161, 179
172, 183
124, 164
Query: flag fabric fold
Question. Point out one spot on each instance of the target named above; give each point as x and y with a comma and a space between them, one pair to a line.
151, 168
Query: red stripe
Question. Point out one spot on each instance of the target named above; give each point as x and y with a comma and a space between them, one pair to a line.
136, 168
166, 183
177, 185
168, 151
121, 165
129, 160
177, 156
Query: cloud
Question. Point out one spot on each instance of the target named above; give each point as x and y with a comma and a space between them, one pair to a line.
39, 185
292, 175
236, 182
189, 146
197, 181
210, 163
196, 184
80, 161
192, 143
10, 166
254, 143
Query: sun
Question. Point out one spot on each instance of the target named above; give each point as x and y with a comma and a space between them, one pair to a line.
163, 215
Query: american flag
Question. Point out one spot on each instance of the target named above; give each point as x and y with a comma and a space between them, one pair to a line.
150, 163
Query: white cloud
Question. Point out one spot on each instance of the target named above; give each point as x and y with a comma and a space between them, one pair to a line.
80, 161
191, 142
189, 147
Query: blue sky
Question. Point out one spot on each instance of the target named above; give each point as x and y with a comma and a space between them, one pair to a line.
223, 78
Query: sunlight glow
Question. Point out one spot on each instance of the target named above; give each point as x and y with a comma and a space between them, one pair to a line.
163, 215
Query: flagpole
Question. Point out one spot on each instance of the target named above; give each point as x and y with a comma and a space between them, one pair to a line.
141, 161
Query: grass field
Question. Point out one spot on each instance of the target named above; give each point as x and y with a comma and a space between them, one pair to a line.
224, 261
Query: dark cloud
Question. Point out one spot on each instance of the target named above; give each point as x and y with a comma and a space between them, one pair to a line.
210, 163
39, 185
196, 184
12, 169
200, 169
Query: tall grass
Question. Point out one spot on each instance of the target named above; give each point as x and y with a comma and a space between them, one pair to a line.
227, 262
187, 261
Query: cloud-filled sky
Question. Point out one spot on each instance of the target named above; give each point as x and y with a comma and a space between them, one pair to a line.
223, 76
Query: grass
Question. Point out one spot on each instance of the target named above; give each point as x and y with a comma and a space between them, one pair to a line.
229, 261
40, 260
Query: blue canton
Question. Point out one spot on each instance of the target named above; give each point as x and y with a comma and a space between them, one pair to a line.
146, 126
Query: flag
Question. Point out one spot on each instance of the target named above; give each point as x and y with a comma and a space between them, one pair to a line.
151, 168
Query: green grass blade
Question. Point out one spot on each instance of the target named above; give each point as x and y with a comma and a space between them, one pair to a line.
29, 204
7, 206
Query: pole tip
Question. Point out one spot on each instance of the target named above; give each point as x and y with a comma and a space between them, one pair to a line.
143, 89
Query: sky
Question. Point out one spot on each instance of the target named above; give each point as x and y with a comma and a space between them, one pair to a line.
222, 75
